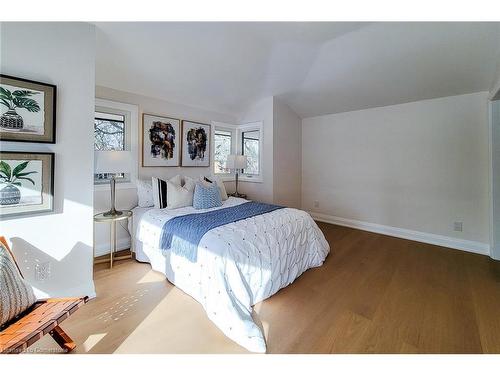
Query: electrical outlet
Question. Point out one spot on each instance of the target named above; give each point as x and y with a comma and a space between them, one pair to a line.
316, 204
457, 226
42, 271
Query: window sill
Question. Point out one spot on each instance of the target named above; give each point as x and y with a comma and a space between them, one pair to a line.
119, 186
231, 178
225, 177
250, 179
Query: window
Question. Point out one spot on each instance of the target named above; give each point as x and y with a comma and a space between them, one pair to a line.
243, 139
222, 148
109, 135
109, 132
250, 144
115, 129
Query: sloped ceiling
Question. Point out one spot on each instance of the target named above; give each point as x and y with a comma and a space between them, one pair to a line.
316, 68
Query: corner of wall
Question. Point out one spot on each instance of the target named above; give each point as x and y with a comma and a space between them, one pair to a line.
287, 155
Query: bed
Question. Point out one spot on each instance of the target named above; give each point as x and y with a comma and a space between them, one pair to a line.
237, 264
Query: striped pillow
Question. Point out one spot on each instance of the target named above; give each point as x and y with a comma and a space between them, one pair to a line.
160, 190
16, 295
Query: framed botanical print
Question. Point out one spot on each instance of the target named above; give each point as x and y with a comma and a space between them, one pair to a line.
195, 144
27, 110
26, 183
160, 141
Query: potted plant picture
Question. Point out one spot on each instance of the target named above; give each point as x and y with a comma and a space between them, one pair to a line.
10, 180
13, 100
27, 110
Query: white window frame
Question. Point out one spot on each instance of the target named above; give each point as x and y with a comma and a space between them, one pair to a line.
236, 139
227, 128
253, 126
131, 113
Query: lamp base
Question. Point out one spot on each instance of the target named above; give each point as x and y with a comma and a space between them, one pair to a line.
112, 213
238, 195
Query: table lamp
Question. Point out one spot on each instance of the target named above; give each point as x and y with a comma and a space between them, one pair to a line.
237, 163
114, 162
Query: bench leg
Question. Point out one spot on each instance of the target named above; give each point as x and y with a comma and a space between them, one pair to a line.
62, 339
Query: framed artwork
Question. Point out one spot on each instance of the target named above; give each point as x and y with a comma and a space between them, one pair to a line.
26, 183
160, 141
195, 144
27, 110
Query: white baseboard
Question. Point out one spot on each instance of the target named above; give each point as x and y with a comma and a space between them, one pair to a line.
434, 239
103, 248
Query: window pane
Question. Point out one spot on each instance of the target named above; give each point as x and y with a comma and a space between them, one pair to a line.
109, 132
250, 148
109, 135
222, 141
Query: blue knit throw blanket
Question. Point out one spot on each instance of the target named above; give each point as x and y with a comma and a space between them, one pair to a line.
182, 234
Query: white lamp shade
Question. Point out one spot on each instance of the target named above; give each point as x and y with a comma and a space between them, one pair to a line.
112, 161
236, 162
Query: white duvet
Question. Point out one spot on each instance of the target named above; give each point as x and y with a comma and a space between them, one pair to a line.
238, 264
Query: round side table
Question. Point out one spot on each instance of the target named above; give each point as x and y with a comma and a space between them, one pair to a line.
112, 219
239, 195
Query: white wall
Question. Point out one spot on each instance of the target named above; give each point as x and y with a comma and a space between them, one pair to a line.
287, 155
127, 198
261, 191
495, 186
62, 54
419, 166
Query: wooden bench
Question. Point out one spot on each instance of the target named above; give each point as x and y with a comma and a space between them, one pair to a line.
45, 316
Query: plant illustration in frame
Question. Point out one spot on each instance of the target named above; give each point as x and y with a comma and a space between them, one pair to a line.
11, 179
27, 110
14, 100
26, 183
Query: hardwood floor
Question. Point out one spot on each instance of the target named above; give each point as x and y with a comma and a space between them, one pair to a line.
374, 294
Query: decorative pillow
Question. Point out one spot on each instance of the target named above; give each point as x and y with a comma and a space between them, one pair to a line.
16, 295
160, 190
220, 184
180, 196
145, 193
206, 196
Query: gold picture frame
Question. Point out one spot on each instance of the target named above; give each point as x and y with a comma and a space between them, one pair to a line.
192, 155
157, 150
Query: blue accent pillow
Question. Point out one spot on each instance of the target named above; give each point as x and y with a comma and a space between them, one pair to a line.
206, 196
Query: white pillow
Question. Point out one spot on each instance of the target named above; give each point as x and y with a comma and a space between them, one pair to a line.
180, 196
222, 187
145, 193
218, 181
160, 190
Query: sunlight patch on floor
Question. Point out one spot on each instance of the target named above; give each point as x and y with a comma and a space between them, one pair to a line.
120, 309
142, 332
176, 324
92, 340
265, 326
151, 277
257, 307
